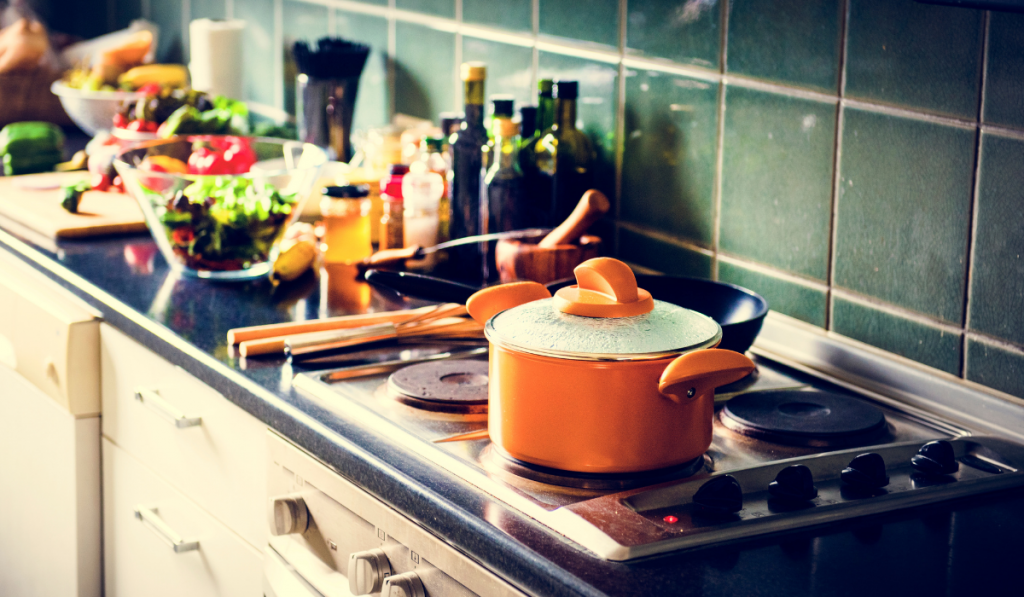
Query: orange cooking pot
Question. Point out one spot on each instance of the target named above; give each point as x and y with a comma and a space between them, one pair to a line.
600, 378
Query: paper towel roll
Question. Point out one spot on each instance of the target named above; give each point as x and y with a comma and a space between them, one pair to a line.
216, 56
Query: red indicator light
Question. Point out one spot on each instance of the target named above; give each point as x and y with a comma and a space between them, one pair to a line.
670, 519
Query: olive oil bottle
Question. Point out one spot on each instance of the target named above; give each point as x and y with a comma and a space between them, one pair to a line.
563, 156
464, 183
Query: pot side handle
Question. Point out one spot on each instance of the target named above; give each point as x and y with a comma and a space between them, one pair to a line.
699, 372
487, 303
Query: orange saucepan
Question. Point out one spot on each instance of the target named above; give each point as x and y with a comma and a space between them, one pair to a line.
600, 378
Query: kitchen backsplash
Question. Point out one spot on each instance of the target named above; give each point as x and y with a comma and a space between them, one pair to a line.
857, 162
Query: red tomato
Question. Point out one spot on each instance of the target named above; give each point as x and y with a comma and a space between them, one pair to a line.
149, 89
120, 121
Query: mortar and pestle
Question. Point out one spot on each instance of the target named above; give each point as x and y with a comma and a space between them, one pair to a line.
555, 255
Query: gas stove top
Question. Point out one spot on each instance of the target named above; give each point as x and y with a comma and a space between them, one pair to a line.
784, 417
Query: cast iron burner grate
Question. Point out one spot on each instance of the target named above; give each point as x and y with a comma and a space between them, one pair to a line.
496, 460
457, 387
803, 418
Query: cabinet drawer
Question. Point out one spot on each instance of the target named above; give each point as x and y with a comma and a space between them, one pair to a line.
205, 446
138, 555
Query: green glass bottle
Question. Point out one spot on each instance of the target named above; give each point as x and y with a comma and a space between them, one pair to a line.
464, 179
564, 156
503, 182
536, 207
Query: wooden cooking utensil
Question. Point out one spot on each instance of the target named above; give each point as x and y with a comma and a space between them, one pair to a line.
446, 327
555, 256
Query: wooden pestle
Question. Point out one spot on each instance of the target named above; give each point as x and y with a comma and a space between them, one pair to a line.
591, 207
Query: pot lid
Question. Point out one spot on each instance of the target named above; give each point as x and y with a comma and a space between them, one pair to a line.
548, 327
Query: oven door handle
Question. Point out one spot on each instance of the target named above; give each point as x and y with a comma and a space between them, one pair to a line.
152, 520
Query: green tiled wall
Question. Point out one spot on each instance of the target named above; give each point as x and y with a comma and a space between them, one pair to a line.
858, 162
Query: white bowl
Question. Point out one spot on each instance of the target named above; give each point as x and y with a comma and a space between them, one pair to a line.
92, 111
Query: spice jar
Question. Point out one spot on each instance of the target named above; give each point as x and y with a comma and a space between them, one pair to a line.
422, 191
346, 213
392, 230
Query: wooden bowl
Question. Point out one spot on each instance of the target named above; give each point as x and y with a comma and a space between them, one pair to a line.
522, 259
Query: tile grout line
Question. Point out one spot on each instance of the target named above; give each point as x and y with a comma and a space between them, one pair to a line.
771, 271
279, 54
837, 155
458, 92
972, 212
996, 342
896, 311
186, 17
716, 190
332, 21
535, 53
620, 121
665, 237
392, 51
229, 9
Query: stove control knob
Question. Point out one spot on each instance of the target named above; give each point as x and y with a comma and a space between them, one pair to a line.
367, 571
288, 514
936, 458
721, 495
866, 471
403, 585
793, 484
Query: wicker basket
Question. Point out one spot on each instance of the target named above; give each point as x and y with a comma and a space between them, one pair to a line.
26, 96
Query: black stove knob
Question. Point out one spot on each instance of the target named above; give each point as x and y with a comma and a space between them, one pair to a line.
936, 458
866, 471
719, 496
794, 483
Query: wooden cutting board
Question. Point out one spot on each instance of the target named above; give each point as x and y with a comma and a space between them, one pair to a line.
34, 200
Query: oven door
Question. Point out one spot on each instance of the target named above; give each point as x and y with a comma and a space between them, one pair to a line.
295, 574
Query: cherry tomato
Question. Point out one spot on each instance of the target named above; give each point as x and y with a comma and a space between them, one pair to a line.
120, 121
149, 89
100, 182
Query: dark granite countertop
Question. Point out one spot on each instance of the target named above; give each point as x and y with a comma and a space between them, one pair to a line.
966, 547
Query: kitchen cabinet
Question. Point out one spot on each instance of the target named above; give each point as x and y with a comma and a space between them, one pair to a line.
203, 461
50, 542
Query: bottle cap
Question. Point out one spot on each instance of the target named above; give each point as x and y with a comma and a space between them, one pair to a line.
449, 122
347, 191
528, 120
544, 87
397, 169
504, 127
391, 185
504, 105
474, 71
432, 144
566, 89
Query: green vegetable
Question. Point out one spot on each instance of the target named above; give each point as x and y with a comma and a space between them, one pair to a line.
224, 222
279, 131
227, 117
73, 195
29, 147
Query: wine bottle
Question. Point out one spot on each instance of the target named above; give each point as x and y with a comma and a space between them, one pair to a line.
503, 182
464, 184
536, 207
564, 156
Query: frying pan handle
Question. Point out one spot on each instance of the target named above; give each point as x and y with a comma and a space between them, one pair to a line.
697, 373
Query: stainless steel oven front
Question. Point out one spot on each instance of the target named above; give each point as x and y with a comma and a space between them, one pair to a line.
331, 539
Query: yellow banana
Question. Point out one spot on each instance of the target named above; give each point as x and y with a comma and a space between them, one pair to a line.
165, 75
295, 258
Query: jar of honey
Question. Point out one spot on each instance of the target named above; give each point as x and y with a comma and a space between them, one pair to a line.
346, 214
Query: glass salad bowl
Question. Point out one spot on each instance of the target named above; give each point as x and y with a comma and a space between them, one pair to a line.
218, 206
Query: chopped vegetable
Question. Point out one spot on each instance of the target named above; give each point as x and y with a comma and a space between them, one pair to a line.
29, 147
73, 195
223, 155
225, 223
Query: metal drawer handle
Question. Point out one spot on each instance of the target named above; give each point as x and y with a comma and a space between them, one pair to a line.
153, 399
149, 517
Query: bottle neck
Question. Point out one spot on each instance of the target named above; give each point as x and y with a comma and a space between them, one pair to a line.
565, 114
473, 93
545, 113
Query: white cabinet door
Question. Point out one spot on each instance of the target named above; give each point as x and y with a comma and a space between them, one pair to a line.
216, 456
50, 542
139, 558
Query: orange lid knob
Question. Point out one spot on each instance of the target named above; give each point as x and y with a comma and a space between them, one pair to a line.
605, 287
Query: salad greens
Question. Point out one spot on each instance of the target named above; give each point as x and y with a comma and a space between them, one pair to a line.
225, 222
226, 117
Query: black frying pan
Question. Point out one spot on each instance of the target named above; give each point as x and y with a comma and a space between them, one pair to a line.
739, 311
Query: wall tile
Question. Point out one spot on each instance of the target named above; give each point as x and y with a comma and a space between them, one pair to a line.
509, 68
901, 229
258, 48
170, 45
784, 296
923, 343
596, 21
995, 367
915, 55
790, 42
662, 256
777, 180
209, 9
372, 104
668, 169
126, 11
302, 22
507, 14
441, 8
686, 32
1004, 81
597, 103
997, 282
424, 71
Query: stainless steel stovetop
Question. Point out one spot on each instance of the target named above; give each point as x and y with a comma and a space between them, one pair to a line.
626, 518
